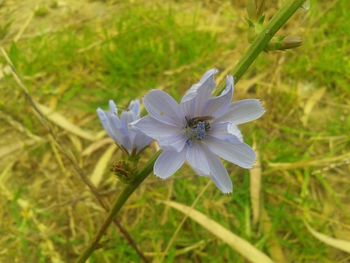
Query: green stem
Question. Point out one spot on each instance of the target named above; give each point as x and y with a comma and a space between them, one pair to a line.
262, 40
120, 201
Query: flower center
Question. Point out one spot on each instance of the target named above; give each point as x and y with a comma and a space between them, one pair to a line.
196, 129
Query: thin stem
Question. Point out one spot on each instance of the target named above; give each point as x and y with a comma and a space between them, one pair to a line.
262, 40
120, 201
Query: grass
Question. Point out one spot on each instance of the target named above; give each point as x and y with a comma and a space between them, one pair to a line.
77, 65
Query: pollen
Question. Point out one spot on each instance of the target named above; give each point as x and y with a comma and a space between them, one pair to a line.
200, 130
196, 132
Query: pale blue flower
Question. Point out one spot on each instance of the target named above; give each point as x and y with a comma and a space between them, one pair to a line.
199, 130
128, 138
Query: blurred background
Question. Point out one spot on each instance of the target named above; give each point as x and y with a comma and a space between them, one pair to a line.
73, 56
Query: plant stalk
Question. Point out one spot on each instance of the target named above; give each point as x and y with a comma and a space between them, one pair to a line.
118, 204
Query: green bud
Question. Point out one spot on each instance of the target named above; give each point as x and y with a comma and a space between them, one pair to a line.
291, 42
283, 43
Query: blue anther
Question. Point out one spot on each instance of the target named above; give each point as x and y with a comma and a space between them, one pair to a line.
200, 131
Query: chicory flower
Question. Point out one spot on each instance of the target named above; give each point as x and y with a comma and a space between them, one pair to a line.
131, 140
199, 130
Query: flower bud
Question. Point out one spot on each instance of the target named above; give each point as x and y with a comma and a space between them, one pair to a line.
292, 42
283, 43
124, 170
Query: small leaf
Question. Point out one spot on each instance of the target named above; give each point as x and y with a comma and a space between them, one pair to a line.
242, 246
333, 242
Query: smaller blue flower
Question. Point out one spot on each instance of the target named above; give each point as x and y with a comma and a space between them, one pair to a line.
129, 139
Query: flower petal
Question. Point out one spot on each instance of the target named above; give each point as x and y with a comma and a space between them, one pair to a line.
196, 98
114, 123
177, 142
105, 120
197, 159
218, 106
113, 108
233, 129
232, 150
126, 118
225, 130
126, 141
168, 163
243, 111
134, 107
140, 141
219, 130
218, 173
112, 117
204, 86
130, 139
165, 134
163, 108
154, 128
200, 173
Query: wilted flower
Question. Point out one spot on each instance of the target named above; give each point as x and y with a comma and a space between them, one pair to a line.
130, 139
199, 130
